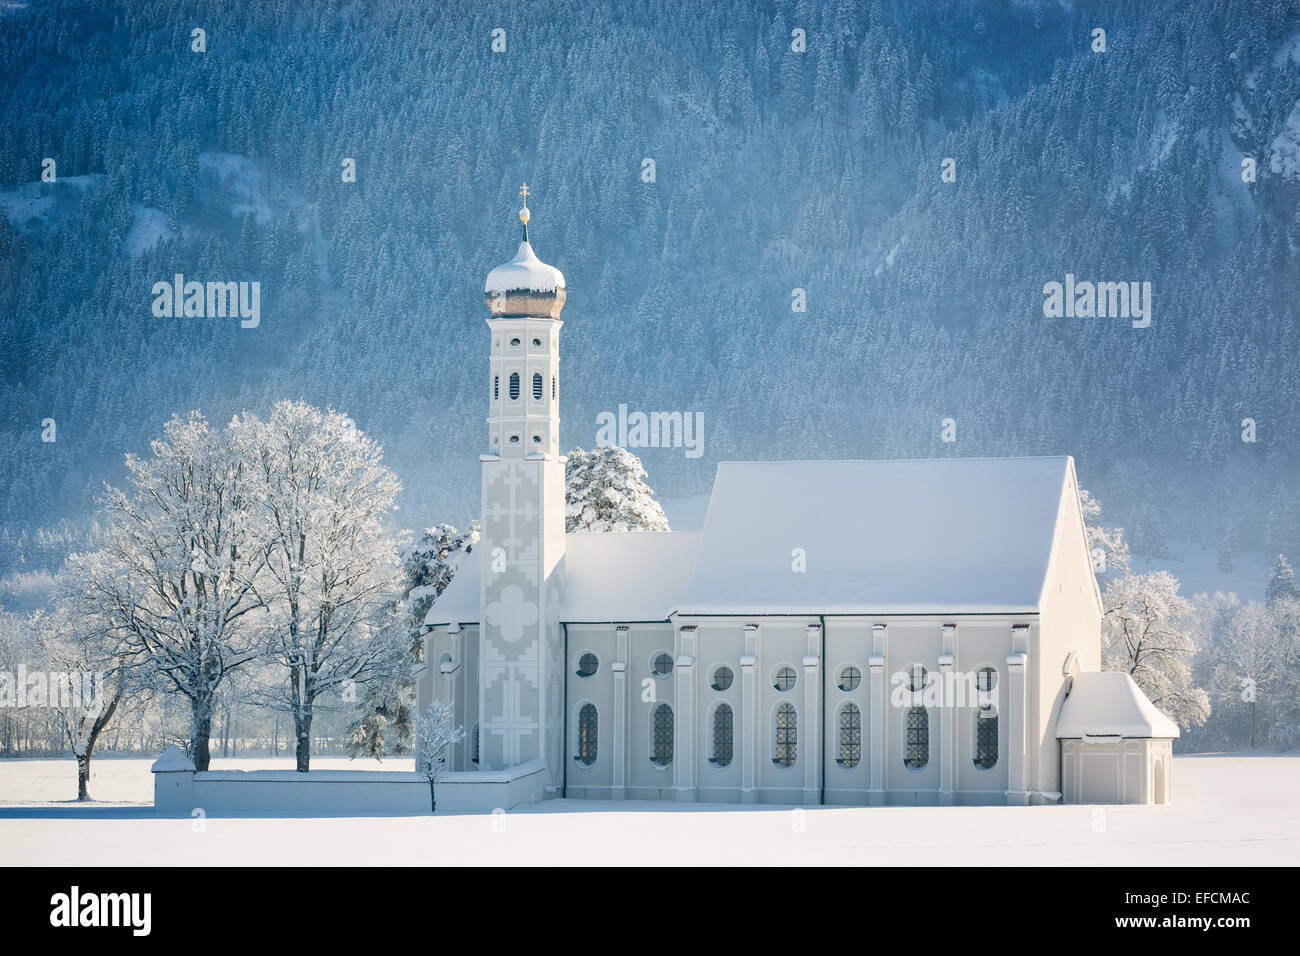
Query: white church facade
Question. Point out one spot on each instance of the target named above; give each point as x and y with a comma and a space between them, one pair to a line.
837, 632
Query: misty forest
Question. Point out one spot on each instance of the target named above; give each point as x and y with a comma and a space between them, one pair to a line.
828, 246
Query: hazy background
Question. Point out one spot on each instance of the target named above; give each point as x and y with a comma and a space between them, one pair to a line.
774, 170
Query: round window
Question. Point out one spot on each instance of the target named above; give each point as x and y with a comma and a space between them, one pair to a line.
514, 439
785, 677
722, 678
850, 678
537, 343
514, 343
587, 664
662, 665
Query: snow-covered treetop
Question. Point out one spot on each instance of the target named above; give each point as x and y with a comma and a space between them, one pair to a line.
605, 491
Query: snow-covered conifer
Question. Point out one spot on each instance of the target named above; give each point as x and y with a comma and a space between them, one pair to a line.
605, 490
385, 721
1281, 582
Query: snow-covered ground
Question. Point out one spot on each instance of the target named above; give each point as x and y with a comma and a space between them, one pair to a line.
1227, 810
127, 780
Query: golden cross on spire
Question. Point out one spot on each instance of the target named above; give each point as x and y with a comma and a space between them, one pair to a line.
524, 214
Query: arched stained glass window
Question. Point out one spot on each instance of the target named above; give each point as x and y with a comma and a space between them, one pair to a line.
917, 753
661, 742
850, 736
787, 736
986, 719
588, 728
724, 723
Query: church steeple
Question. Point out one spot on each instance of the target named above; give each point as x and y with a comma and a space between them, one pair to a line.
521, 674
525, 297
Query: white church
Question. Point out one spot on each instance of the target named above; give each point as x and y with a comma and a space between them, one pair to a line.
837, 632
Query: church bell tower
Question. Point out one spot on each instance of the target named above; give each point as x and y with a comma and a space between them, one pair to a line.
521, 666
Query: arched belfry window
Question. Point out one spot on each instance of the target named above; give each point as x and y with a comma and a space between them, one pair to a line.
473, 745
661, 736
588, 727
850, 736
552, 387
496, 387
986, 719
537, 386
724, 727
514, 386
787, 736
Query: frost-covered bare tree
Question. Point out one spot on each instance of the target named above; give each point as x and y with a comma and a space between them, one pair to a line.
176, 582
438, 733
1107, 546
91, 679
324, 495
1146, 632
1250, 665
605, 490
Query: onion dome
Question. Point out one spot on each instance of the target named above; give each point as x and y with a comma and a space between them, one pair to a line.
525, 287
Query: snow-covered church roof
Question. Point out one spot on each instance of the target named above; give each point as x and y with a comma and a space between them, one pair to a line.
609, 577
958, 535
1110, 704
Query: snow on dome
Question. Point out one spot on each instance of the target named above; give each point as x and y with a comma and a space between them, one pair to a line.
525, 286
1110, 704
524, 273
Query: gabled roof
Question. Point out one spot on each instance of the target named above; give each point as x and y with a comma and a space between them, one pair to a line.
956, 535
1109, 703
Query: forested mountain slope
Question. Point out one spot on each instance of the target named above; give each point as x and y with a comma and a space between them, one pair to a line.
775, 170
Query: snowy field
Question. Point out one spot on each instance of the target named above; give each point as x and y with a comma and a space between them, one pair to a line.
1227, 810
